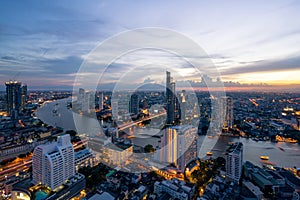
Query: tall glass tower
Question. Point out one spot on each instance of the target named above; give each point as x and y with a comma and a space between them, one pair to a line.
134, 104
13, 98
173, 109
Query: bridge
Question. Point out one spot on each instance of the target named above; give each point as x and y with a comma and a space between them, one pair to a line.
132, 123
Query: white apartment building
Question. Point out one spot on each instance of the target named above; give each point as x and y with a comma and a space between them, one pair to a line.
53, 163
234, 162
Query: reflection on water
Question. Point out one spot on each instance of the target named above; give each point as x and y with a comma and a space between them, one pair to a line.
66, 119
282, 154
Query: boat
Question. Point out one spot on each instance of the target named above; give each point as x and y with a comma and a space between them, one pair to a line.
209, 153
282, 149
264, 157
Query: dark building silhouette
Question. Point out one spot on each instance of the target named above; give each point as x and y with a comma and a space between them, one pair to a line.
134, 104
23, 96
172, 103
13, 98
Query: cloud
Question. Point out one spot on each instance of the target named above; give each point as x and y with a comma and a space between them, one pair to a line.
47, 41
290, 63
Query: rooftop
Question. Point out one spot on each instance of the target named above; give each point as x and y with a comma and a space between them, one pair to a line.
291, 177
103, 196
235, 148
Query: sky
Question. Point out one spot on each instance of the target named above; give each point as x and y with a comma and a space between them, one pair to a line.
44, 43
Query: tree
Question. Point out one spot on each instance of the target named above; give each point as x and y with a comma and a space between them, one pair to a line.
72, 133
149, 148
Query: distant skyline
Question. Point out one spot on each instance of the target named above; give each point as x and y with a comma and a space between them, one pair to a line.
43, 43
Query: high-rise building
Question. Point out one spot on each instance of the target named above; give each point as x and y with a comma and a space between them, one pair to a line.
88, 101
80, 95
23, 96
115, 109
101, 101
85, 104
167, 149
183, 104
234, 162
134, 104
226, 112
172, 103
186, 146
53, 164
13, 98
178, 145
92, 101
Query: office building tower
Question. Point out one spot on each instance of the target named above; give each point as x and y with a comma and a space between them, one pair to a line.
54, 163
134, 104
80, 95
183, 105
167, 149
115, 109
226, 112
85, 105
186, 146
234, 162
88, 102
13, 98
169, 99
101, 101
23, 96
172, 103
92, 101
178, 146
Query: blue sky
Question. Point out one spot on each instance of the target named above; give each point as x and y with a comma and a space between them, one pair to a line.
43, 43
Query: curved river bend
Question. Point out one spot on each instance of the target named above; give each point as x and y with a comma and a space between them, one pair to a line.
282, 154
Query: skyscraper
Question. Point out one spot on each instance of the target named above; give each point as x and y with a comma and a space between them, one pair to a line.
115, 109
183, 105
13, 98
178, 145
168, 146
234, 162
85, 105
53, 164
100, 101
23, 96
80, 95
226, 112
173, 108
186, 145
134, 104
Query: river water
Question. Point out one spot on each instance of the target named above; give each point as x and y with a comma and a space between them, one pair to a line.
282, 154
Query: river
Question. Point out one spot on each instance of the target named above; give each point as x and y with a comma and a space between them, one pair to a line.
281, 154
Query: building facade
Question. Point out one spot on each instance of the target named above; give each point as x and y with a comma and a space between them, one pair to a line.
53, 163
134, 104
175, 188
226, 112
234, 162
178, 146
13, 98
172, 103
